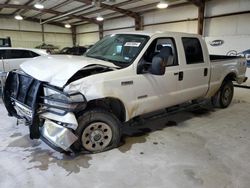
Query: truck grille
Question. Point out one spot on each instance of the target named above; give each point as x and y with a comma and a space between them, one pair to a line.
23, 90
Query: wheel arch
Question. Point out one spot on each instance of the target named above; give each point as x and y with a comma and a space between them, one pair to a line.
114, 105
230, 76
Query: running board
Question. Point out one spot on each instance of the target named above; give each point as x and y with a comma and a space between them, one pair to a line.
167, 112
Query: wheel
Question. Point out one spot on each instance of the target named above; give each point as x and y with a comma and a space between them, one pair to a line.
224, 96
98, 130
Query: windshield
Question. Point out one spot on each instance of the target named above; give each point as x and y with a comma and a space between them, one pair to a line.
120, 49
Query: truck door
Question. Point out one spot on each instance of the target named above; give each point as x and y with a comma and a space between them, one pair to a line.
155, 92
194, 71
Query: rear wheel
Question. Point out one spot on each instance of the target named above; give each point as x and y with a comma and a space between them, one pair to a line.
224, 96
98, 131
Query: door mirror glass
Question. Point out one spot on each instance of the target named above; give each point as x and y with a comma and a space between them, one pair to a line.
158, 67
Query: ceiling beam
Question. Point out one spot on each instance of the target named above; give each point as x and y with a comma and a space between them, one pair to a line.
6, 2
64, 3
197, 3
149, 8
113, 8
129, 13
50, 11
117, 5
27, 3
10, 16
38, 20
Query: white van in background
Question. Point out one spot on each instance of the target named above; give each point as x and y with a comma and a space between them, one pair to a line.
11, 58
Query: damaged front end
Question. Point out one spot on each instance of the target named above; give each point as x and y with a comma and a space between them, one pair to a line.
47, 110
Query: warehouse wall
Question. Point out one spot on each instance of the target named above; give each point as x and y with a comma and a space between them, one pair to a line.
89, 34
153, 21
29, 34
180, 19
233, 31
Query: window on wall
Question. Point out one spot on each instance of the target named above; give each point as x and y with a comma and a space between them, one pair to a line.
193, 50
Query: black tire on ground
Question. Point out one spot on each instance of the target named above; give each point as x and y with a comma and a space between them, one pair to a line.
98, 130
223, 98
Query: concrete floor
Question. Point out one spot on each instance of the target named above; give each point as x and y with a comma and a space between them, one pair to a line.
209, 148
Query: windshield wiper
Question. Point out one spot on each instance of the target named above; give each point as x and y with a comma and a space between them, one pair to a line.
116, 63
103, 58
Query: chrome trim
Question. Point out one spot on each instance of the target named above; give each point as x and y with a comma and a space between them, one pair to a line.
22, 110
58, 135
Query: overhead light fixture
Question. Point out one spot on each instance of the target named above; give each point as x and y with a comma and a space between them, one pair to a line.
18, 17
67, 26
162, 4
99, 18
39, 6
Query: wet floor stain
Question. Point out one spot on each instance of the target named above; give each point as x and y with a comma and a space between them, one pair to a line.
171, 123
128, 142
16, 135
138, 134
202, 111
41, 159
45, 158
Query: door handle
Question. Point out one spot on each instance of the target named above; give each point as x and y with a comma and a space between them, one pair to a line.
205, 72
181, 74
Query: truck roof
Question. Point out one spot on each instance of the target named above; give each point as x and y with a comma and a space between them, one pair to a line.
160, 33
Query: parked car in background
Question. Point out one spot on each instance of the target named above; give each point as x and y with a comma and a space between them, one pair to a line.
77, 50
11, 58
50, 48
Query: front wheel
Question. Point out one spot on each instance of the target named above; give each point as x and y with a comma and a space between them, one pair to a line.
224, 96
98, 131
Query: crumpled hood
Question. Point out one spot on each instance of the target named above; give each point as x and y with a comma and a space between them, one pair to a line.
58, 69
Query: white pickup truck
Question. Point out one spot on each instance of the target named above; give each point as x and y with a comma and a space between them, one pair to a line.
80, 103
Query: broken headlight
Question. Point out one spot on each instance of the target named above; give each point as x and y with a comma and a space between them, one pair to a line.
61, 103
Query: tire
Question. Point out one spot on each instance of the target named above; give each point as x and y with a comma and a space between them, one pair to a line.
223, 98
98, 130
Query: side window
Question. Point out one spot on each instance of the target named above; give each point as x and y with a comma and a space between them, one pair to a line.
193, 50
33, 54
18, 54
162, 47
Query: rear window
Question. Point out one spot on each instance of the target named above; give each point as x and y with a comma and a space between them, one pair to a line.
193, 50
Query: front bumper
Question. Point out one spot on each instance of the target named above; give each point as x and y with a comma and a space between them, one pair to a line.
241, 79
48, 118
57, 136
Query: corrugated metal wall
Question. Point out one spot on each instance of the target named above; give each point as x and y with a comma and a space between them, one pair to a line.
29, 34
184, 17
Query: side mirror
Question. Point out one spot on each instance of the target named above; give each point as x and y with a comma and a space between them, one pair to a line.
158, 67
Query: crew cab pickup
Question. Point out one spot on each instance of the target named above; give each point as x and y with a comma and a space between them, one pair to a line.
80, 103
